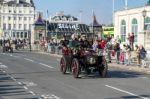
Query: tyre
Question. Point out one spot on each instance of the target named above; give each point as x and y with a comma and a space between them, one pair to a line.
103, 69
75, 68
63, 65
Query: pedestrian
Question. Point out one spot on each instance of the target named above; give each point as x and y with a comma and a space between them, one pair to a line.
128, 55
142, 55
142, 52
128, 39
137, 51
132, 41
117, 50
108, 50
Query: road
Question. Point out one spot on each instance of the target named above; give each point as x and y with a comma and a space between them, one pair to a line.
27, 75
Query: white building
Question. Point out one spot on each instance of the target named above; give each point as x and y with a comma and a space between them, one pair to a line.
17, 18
132, 21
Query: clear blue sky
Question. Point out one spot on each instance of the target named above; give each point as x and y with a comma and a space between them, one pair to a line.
101, 8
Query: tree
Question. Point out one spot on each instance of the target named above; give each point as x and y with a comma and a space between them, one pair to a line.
148, 2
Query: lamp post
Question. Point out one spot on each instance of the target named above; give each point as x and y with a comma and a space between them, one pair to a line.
144, 12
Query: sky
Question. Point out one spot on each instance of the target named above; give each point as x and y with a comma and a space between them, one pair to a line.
101, 8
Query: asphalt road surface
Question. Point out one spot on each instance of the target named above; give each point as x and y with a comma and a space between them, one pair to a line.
27, 75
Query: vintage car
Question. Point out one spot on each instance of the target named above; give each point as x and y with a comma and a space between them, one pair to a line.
78, 60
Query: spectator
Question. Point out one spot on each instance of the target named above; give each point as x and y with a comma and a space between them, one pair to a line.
108, 50
142, 52
128, 39
128, 55
137, 51
132, 41
117, 50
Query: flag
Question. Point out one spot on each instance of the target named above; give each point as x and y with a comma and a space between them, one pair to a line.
47, 13
126, 4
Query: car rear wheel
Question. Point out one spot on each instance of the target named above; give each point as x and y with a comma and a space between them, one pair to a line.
103, 69
63, 65
75, 68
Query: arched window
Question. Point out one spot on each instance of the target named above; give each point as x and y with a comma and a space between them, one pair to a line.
147, 23
123, 30
135, 28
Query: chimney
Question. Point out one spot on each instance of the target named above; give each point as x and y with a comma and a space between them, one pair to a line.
28, 1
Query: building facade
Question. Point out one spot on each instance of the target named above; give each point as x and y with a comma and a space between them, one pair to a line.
17, 18
61, 24
134, 20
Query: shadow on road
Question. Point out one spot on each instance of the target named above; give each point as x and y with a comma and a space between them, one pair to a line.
132, 97
10, 88
123, 74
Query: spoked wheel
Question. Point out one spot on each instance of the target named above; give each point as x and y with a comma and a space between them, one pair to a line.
104, 69
75, 68
63, 65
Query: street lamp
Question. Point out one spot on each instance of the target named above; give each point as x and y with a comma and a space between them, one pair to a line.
144, 12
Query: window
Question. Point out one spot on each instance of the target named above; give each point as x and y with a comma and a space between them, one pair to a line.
14, 18
9, 26
25, 26
14, 35
20, 11
17, 34
147, 23
20, 26
9, 11
4, 26
21, 34
135, 28
30, 12
20, 18
14, 26
25, 35
9, 18
123, 30
3, 17
25, 18
30, 25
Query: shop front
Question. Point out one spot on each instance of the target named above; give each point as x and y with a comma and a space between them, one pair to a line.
58, 30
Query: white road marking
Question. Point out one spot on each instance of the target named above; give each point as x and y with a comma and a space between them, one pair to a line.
13, 78
32, 93
144, 77
15, 56
50, 96
46, 65
25, 87
29, 59
29, 84
21, 55
127, 92
19, 83
3, 66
